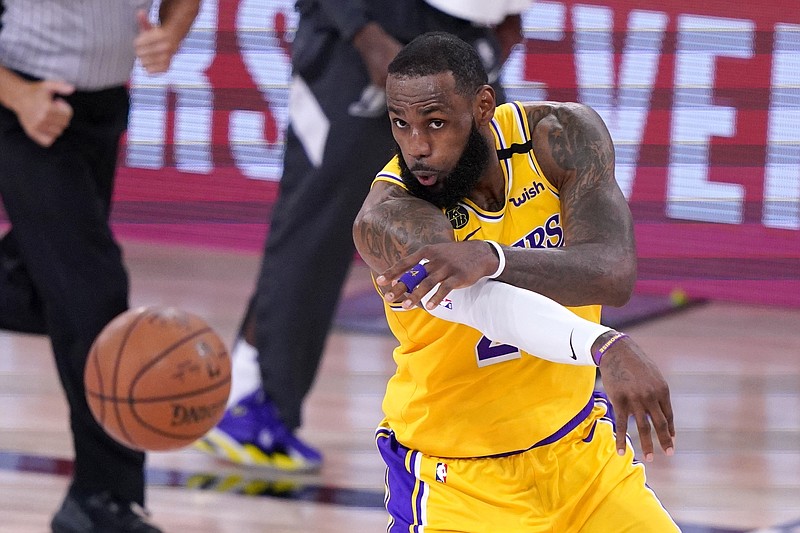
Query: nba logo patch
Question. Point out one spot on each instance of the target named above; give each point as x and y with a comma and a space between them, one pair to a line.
447, 303
441, 472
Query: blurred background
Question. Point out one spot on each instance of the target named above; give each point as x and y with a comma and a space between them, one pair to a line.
702, 100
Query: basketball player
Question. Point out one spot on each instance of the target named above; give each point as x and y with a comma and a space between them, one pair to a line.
485, 216
337, 109
63, 108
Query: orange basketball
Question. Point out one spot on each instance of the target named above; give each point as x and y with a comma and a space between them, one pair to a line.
157, 378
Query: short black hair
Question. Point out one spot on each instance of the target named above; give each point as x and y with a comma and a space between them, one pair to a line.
437, 52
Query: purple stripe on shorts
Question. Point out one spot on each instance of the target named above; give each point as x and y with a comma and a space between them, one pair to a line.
400, 503
420, 493
601, 397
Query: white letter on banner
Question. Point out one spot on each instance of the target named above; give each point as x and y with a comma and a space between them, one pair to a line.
270, 68
695, 119
543, 21
782, 174
193, 107
624, 108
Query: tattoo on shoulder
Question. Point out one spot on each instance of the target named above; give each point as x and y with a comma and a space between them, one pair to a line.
577, 154
579, 141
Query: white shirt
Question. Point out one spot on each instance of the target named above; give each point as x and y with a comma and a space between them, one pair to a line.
88, 43
487, 12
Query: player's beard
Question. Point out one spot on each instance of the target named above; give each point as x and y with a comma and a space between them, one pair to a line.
456, 185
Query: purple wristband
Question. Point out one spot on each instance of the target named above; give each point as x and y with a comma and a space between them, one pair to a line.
414, 276
598, 355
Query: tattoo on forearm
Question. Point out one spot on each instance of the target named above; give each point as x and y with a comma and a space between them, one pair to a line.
400, 226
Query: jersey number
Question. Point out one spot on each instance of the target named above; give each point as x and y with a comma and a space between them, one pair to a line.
489, 352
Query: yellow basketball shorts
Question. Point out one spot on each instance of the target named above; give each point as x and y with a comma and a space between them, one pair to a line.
577, 483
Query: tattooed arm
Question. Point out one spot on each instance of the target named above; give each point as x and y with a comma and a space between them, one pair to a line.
392, 225
597, 265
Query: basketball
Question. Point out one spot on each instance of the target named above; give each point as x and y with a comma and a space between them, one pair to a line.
157, 378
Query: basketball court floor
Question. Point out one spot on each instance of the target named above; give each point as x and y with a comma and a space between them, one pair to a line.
734, 373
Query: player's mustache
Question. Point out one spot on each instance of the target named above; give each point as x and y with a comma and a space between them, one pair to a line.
419, 167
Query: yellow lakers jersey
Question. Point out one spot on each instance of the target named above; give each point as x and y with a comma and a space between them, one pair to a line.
457, 393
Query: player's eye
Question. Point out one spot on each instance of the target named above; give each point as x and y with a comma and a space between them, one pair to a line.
437, 124
399, 123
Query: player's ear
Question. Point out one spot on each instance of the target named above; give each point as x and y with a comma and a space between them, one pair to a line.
485, 103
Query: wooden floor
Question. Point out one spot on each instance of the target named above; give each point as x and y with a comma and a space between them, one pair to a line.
734, 373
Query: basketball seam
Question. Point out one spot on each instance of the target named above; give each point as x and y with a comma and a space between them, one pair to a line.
132, 401
165, 433
121, 349
154, 429
166, 351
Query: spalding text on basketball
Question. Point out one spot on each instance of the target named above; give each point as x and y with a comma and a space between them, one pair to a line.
183, 415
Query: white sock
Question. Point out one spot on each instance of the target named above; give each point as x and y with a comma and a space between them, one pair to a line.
245, 374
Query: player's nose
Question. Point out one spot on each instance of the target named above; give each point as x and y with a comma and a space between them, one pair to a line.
419, 146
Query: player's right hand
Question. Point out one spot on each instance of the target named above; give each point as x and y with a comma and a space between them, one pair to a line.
451, 265
377, 49
42, 113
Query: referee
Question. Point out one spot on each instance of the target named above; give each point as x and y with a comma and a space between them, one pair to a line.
63, 107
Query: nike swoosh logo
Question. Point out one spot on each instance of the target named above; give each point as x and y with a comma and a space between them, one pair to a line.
471, 234
574, 357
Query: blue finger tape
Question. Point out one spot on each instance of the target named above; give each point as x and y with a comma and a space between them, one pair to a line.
414, 276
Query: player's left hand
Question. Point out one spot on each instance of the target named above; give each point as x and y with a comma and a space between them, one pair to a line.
452, 264
637, 389
154, 45
509, 34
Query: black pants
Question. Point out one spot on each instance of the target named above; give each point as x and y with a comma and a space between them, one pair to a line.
61, 271
309, 247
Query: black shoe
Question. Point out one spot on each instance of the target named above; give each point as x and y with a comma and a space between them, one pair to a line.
100, 513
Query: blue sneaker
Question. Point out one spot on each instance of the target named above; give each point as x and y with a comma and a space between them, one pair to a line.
250, 433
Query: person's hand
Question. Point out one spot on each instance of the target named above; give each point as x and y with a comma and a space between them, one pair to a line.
154, 45
636, 388
377, 49
41, 112
509, 34
453, 264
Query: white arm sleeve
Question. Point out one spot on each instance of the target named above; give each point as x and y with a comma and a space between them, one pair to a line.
522, 318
